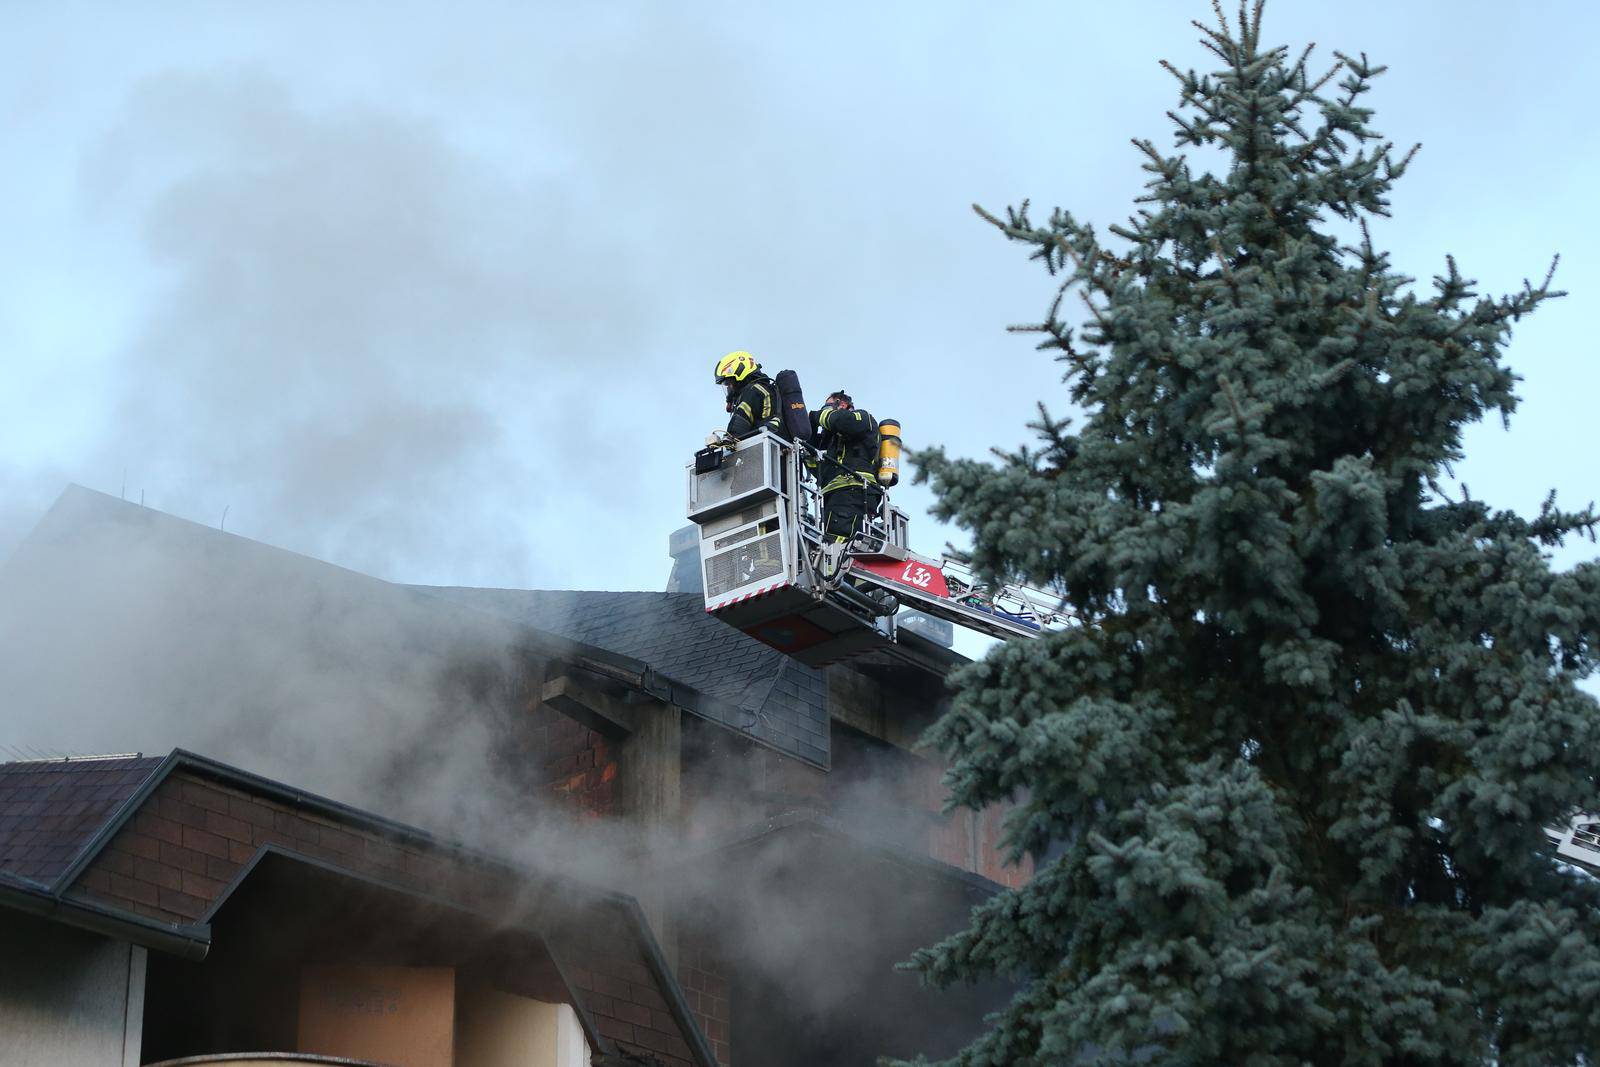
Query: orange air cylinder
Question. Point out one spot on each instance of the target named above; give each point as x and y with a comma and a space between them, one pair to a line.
888, 452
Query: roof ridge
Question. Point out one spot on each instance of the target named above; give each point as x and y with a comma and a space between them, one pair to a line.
71, 759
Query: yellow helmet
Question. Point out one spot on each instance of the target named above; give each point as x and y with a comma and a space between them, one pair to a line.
736, 367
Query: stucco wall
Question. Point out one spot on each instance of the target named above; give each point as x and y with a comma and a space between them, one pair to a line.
496, 1029
66, 996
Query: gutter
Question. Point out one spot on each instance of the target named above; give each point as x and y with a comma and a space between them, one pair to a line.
188, 942
50, 902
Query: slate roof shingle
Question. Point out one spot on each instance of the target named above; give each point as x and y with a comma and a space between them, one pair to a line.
773, 698
51, 809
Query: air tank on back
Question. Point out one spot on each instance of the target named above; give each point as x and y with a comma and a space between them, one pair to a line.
888, 452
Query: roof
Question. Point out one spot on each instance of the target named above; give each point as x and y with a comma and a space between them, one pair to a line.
89, 543
149, 850
761, 691
51, 809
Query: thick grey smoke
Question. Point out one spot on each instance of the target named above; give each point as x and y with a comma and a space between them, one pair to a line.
128, 630
537, 197
25, 493
430, 334
359, 323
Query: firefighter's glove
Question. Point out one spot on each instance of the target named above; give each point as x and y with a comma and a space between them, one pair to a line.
720, 439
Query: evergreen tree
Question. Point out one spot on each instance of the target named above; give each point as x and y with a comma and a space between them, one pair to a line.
1287, 775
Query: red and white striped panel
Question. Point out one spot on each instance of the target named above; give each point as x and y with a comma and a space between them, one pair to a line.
742, 597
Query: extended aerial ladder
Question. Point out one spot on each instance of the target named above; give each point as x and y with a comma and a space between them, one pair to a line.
768, 571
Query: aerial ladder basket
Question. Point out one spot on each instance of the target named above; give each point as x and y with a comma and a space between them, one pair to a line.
768, 572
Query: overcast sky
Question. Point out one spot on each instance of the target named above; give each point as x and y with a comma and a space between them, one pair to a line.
437, 297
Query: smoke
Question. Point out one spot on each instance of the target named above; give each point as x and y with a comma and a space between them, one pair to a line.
813, 886
24, 495
369, 343
377, 340
128, 630
428, 325
344, 298
373, 342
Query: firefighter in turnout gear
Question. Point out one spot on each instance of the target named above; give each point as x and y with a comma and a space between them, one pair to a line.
752, 399
847, 466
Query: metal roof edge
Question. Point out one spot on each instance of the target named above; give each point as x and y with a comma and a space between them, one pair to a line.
52, 899
182, 759
687, 1024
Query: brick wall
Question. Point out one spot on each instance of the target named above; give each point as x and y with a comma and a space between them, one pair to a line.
629, 1009
575, 764
192, 836
990, 854
970, 840
705, 987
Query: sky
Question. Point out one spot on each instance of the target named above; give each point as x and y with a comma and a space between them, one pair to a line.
435, 295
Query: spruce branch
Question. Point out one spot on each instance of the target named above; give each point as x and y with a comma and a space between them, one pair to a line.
1233, 404
1227, 270
1316, 86
1334, 373
1253, 27
1549, 276
1126, 234
1191, 131
1224, 35
1395, 171
1158, 162
990, 219
1215, 43
1552, 526
1298, 71
1100, 320
1437, 489
1060, 336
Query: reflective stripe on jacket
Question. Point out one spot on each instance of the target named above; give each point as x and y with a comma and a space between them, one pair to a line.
848, 441
755, 407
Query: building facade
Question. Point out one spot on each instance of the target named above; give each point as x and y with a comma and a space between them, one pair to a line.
783, 837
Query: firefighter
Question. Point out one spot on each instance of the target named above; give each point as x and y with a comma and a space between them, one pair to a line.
752, 399
847, 467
